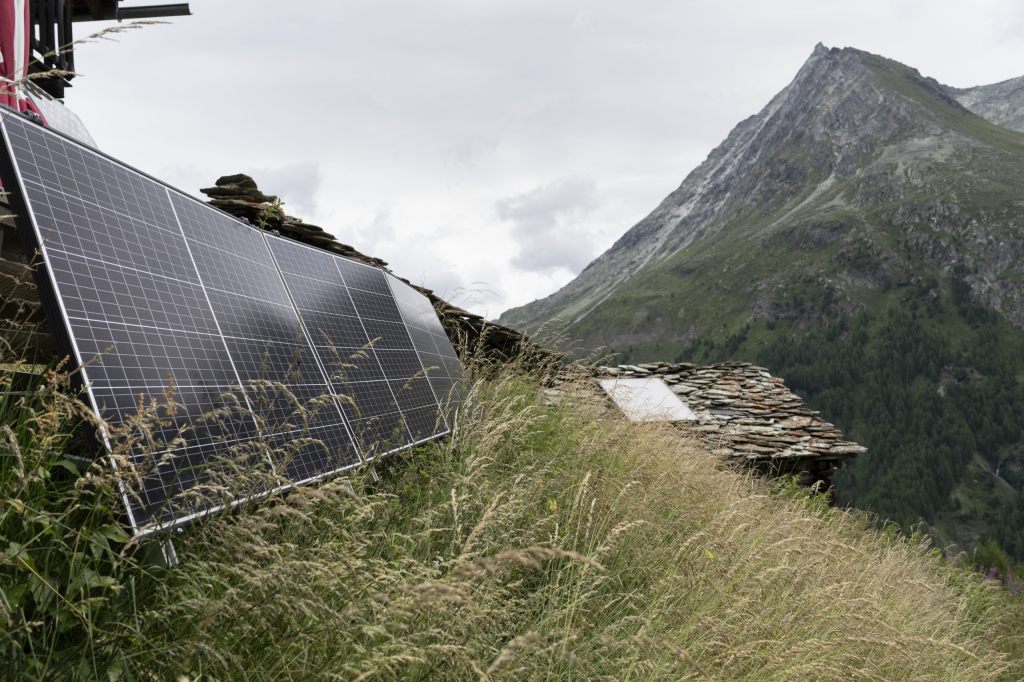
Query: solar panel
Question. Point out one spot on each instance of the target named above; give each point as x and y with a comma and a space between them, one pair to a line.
255, 352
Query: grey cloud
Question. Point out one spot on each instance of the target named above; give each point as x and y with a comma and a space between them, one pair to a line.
549, 224
296, 184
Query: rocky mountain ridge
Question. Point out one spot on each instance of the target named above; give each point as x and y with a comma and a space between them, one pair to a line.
853, 133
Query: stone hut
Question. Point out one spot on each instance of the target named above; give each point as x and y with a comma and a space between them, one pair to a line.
747, 415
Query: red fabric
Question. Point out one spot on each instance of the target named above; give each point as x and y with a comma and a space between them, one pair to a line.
9, 25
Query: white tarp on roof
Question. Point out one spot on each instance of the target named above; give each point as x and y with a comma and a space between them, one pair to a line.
647, 399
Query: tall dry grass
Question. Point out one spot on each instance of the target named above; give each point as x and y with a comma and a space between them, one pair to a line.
539, 541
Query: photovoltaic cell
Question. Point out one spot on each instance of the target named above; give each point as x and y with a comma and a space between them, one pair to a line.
247, 351
338, 302
435, 353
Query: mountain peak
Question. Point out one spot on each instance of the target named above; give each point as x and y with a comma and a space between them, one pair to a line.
851, 132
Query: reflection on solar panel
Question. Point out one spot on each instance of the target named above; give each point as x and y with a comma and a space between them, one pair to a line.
252, 351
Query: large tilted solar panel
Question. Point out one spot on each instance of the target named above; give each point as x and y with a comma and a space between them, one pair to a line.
256, 354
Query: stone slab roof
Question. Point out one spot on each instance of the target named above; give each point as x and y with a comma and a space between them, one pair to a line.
746, 413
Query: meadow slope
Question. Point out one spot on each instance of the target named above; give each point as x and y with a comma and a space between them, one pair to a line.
539, 542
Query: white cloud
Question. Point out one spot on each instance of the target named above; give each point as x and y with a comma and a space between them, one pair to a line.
549, 224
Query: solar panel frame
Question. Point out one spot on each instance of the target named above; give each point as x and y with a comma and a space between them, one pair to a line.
54, 305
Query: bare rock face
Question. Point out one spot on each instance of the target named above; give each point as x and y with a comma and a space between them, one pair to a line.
1001, 103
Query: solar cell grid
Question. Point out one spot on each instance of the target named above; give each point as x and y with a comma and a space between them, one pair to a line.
424, 422
412, 393
318, 295
350, 354
329, 331
201, 415
362, 277
422, 341
254, 352
128, 296
367, 398
286, 387
219, 231
254, 318
296, 259
400, 364
280, 408
387, 335
115, 355
371, 306
68, 224
346, 366
306, 455
238, 276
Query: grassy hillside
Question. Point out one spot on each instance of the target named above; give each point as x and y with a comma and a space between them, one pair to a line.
539, 542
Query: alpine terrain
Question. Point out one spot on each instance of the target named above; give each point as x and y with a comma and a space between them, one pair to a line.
863, 237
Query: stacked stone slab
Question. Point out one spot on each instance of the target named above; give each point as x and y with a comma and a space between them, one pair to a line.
748, 415
470, 333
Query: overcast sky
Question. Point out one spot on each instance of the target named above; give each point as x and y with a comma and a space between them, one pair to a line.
488, 149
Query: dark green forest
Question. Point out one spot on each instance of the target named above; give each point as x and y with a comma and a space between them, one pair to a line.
931, 382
